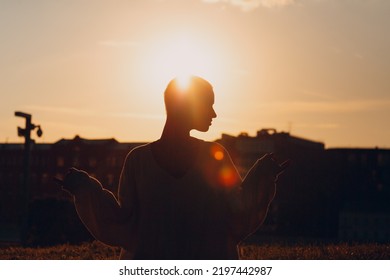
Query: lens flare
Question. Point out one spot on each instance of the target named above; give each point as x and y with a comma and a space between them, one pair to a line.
217, 152
218, 155
228, 177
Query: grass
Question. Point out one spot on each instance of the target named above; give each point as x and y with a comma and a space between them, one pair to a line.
86, 251
341, 251
98, 251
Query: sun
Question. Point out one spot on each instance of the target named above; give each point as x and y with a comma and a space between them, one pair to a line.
181, 54
183, 80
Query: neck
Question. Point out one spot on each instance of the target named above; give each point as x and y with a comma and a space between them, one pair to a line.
175, 133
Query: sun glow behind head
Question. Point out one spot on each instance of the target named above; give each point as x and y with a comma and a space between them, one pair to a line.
181, 55
183, 81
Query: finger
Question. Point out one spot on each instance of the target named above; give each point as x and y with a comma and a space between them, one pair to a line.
285, 164
58, 181
282, 167
268, 155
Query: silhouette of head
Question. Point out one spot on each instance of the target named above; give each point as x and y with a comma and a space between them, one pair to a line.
190, 103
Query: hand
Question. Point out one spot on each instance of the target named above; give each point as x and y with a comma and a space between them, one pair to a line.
269, 167
73, 180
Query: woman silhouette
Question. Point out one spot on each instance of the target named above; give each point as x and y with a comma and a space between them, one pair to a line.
179, 197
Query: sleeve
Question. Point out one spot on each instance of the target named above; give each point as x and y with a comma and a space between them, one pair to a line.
257, 192
109, 220
248, 199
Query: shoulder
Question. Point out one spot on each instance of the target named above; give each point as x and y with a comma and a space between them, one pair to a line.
135, 158
214, 150
218, 160
141, 149
138, 152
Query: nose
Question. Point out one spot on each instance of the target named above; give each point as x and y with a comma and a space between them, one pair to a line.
213, 113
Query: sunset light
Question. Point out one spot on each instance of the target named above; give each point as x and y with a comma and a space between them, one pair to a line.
183, 80
164, 132
100, 70
181, 55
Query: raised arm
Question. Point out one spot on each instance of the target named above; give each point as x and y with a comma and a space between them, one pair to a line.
255, 195
259, 189
107, 219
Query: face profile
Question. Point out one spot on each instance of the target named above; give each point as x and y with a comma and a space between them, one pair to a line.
190, 103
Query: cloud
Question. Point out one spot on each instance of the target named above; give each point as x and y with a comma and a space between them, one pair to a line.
61, 110
138, 116
318, 125
118, 44
342, 106
276, 3
89, 112
358, 55
315, 94
248, 5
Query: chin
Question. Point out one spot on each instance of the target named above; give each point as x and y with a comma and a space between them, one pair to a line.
203, 129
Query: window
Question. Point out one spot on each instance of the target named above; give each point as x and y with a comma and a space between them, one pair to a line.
45, 178
110, 179
60, 161
111, 161
380, 159
76, 161
363, 159
352, 158
92, 162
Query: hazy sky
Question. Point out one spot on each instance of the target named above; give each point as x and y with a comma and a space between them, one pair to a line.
317, 68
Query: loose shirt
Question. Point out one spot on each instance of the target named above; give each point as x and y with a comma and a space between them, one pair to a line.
203, 214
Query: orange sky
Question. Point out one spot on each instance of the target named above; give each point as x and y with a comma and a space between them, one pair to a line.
317, 68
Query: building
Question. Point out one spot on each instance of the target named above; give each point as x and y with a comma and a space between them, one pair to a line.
325, 193
297, 206
102, 158
363, 180
245, 149
315, 195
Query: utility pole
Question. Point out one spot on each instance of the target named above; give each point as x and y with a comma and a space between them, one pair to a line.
26, 133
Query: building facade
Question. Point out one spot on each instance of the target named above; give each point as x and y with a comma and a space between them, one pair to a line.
315, 194
102, 158
324, 193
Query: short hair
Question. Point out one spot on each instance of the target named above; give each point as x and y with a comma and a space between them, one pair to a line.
179, 96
